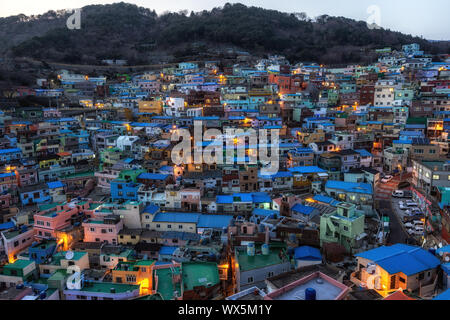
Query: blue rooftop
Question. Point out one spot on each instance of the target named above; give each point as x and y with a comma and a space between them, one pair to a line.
307, 170
364, 153
55, 184
443, 296
327, 200
152, 209
166, 250
175, 217
307, 253
300, 208
350, 186
401, 258
13, 150
153, 176
214, 221
264, 212
7, 174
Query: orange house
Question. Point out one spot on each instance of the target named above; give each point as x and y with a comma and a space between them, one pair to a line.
139, 272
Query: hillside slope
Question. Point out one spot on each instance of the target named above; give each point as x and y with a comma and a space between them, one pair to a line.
139, 35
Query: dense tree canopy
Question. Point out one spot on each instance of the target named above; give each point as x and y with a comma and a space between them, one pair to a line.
129, 32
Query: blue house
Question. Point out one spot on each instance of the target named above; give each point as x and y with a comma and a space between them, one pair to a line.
307, 256
7, 155
38, 193
166, 252
124, 190
304, 213
40, 252
360, 194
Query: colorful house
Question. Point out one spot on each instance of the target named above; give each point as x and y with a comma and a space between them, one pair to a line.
388, 269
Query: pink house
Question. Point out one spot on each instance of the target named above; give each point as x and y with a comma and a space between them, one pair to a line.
57, 216
104, 230
16, 240
190, 199
323, 286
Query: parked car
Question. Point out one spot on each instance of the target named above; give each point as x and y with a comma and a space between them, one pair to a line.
409, 225
411, 204
412, 218
402, 205
414, 211
402, 194
397, 194
386, 179
404, 185
407, 194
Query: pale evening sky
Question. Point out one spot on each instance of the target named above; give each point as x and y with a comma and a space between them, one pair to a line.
418, 17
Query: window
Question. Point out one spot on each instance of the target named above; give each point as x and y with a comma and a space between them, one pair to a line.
436, 177
131, 278
169, 226
250, 280
180, 226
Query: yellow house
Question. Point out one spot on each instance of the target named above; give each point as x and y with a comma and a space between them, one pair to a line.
150, 107
129, 236
310, 137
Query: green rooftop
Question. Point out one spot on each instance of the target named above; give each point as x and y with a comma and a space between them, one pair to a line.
144, 263
58, 275
259, 260
166, 287
93, 206
199, 274
105, 287
48, 206
79, 175
19, 264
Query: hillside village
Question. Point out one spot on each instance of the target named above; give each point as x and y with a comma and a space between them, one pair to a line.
93, 207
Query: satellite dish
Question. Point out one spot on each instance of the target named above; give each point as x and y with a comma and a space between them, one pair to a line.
447, 259
69, 255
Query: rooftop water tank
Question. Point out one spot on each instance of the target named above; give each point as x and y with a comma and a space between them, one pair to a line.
265, 249
251, 249
310, 294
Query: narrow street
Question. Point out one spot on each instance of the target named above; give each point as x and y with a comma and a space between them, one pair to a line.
397, 234
383, 194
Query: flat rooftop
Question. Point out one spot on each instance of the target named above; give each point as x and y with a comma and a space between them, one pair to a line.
199, 274
326, 289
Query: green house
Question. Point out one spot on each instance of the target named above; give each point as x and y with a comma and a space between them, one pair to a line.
345, 226
20, 268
